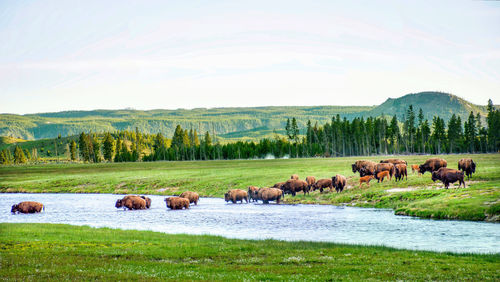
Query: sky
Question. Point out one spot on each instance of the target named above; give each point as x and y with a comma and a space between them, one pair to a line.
84, 55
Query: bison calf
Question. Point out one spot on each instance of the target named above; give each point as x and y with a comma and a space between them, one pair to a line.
323, 183
27, 207
381, 175
365, 179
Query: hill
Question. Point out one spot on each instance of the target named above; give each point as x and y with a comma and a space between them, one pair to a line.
432, 104
228, 123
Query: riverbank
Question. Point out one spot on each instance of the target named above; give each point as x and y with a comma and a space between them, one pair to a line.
417, 196
63, 252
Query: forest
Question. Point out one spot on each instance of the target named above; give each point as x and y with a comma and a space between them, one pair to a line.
413, 134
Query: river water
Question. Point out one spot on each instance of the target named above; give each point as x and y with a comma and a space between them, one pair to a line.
214, 216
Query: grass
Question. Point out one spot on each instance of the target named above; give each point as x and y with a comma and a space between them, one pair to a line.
480, 200
64, 252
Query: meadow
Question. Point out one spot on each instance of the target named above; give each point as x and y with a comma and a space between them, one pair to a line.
417, 196
64, 252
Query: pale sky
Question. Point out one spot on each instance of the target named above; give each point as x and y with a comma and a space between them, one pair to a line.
84, 55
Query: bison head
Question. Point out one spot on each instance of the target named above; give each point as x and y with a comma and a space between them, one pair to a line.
354, 168
226, 197
473, 166
334, 181
421, 168
14, 209
167, 200
148, 201
119, 203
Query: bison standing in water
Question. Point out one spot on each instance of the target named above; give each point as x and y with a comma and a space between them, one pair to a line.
269, 194
339, 182
131, 202
177, 203
193, 197
27, 207
432, 165
236, 195
467, 166
293, 186
253, 193
448, 175
148, 201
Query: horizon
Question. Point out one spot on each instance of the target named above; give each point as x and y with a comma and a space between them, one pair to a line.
226, 54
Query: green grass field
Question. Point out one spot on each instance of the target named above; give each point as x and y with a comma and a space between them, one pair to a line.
418, 196
64, 252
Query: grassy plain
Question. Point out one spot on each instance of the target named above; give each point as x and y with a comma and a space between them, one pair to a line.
64, 252
417, 196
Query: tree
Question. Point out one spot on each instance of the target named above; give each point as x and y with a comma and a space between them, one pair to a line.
470, 132
493, 121
72, 150
454, 133
108, 147
19, 156
409, 129
438, 133
118, 150
83, 144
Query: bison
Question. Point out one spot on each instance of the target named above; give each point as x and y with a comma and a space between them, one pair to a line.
269, 194
384, 167
394, 161
339, 182
365, 179
177, 203
148, 201
131, 202
448, 175
294, 176
193, 197
293, 186
236, 195
432, 165
467, 166
278, 185
323, 183
252, 193
368, 166
310, 181
27, 207
415, 168
400, 172
380, 176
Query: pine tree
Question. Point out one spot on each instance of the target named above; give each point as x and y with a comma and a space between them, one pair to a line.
19, 156
470, 132
108, 147
72, 150
84, 147
118, 150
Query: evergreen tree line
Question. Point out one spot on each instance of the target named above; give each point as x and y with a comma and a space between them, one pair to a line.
340, 137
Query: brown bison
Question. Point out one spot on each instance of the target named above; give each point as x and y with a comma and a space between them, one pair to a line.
278, 185
381, 175
253, 193
131, 202
193, 197
432, 165
177, 203
292, 186
294, 176
236, 195
385, 167
366, 166
339, 182
400, 172
27, 207
310, 181
467, 166
394, 161
415, 168
323, 183
365, 179
448, 175
269, 194
148, 201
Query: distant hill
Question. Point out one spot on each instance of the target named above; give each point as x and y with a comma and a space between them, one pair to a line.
228, 123
432, 104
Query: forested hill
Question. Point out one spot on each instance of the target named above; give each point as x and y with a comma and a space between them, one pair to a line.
228, 123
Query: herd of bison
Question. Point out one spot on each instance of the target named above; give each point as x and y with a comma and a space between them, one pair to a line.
368, 170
